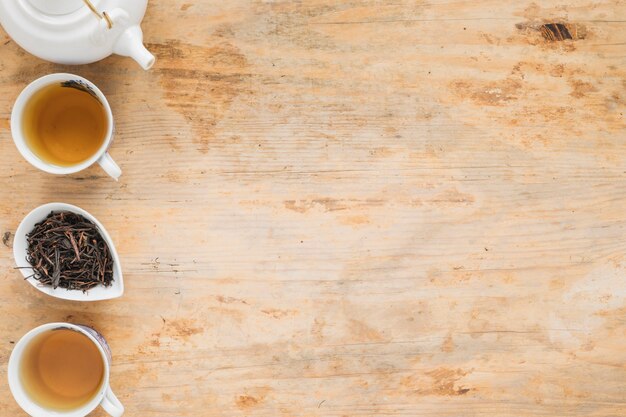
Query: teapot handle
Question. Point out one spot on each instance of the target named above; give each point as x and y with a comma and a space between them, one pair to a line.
119, 19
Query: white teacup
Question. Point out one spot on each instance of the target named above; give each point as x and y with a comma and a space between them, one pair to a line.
101, 156
104, 395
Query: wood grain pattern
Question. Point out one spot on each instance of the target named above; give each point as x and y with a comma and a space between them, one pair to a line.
355, 208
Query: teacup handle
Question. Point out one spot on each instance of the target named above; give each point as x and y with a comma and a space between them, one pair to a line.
111, 404
109, 166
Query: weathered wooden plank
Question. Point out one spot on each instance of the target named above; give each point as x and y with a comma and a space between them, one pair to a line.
353, 208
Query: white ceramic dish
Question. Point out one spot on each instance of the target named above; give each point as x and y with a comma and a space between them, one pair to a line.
20, 246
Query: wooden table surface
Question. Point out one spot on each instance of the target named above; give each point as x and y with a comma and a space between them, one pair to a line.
352, 208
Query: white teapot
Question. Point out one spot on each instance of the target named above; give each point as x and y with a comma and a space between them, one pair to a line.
77, 31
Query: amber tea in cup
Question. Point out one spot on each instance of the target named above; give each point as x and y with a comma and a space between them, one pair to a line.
62, 369
64, 123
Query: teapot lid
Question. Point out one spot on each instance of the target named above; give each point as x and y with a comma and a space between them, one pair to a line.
58, 7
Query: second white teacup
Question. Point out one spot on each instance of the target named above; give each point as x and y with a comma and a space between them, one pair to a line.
65, 113
62, 370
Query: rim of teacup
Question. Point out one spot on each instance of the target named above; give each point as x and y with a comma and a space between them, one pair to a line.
18, 391
18, 135
20, 246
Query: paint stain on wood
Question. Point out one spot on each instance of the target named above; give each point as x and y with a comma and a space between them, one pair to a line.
325, 204
278, 313
557, 70
448, 345
440, 382
490, 93
362, 331
247, 401
581, 88
230, 300
381, 152
453, 196
253, 397
180, 329
329, 204
200, 83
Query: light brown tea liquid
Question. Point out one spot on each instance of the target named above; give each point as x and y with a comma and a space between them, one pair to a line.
64, 125
61, 369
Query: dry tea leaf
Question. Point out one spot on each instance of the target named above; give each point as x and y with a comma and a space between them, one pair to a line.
67, 250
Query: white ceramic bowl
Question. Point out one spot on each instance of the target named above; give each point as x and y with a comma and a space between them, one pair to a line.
20, 246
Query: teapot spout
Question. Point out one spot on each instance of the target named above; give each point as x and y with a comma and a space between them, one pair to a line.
130, 43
